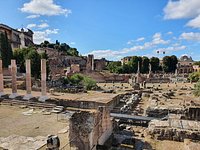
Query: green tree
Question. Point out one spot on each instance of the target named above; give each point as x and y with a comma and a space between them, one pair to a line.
6, 50
35, 63
89, 83
169, 63
197, 89
155, 62
166, 64
174, 61
126, 68
79, 79
194, 77
145, 65
133, 63
73, 52
114, 66
28, 53
197, 63
76, 79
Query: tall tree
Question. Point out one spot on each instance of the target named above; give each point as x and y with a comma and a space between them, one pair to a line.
28, 53
169, 63
174, 61
6, 50
133, 63
145, 65
154, 61
114, 66
35, 63
73, 52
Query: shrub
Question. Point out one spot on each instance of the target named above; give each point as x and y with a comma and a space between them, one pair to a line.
79, 79
195, 76
197, 89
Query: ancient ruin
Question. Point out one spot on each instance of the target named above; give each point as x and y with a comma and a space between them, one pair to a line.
1, 79
14, 79
43, 96
28, 80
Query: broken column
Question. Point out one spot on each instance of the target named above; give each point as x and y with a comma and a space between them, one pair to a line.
14, 79
43, 96
28, 80
1, 79
90, 63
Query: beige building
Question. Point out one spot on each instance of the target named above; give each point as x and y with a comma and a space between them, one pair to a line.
196, 68
18, 39
185, 65
126, 59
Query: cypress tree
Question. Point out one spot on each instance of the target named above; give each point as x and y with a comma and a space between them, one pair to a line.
5, 50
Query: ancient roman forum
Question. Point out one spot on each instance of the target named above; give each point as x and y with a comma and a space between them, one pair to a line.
28, 95
137, 111
53, 98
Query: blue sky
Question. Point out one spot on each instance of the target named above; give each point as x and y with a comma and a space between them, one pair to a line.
111, 28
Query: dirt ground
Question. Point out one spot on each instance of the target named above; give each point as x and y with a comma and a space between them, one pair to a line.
12, 121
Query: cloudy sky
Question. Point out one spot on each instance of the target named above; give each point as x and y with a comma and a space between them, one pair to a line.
111, 28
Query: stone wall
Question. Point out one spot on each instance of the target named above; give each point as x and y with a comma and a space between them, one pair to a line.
87, 129
174, 129
85, 104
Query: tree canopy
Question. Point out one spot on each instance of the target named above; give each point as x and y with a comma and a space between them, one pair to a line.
61, 47
169, 63
79, 79
30, 53
194, 77
6, 53
197, 89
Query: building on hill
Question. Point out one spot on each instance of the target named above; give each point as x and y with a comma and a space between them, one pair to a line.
185, 65
100, 64
126, 59
18, 39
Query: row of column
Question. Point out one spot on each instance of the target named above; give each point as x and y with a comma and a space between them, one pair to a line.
28, 95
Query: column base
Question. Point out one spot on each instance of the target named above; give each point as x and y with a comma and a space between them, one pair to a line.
27, 97
13, 95
2, 94
43, 98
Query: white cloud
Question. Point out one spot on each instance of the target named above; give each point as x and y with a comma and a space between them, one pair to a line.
106, 53
155, 43
40, 36
32, 16
44, 7
169, 33
171, 48
182, 9
54, 31
195, 23
40, 26
43, 25
157, 39
29, 26
190, 36
130, 42
140, 39
72, 43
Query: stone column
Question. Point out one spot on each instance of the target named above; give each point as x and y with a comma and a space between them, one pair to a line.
43, 96
28, 80
14, 79
1, 79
